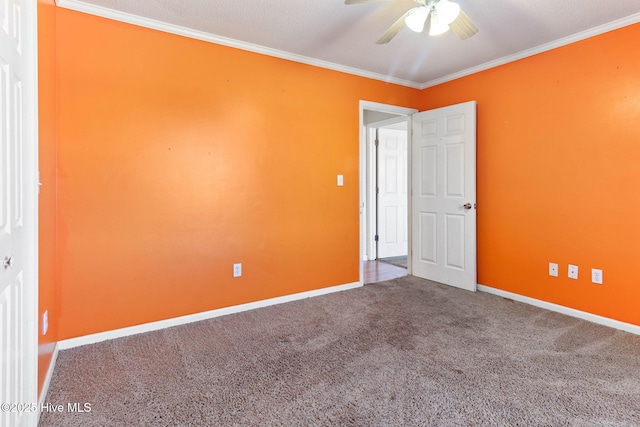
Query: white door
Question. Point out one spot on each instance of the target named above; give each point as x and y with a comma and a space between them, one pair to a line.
18, 213
444, 195
392, 193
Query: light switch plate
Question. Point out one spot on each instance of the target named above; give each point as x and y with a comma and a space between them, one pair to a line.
553, 269
340, 180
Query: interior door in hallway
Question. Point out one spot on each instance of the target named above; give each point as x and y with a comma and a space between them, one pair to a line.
443, 181
18, 207
392, 192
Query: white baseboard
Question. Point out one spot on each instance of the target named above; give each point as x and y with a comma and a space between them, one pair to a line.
47, 380
162, 324
594, 318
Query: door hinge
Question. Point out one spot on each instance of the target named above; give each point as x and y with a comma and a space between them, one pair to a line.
377, 190
376, 142
375, 238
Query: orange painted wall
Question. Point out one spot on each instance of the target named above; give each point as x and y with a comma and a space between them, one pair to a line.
47, 199
178, 158
558, 172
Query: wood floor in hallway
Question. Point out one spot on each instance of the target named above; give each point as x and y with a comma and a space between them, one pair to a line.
376, 271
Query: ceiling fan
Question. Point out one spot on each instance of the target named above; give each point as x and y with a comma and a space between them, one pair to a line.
445, 16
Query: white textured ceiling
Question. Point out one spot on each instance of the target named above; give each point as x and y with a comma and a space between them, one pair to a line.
330, 31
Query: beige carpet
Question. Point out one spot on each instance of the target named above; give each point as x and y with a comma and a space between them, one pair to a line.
406, 352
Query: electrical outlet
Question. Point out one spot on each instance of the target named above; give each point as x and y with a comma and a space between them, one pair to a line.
237, 270
45, 322
340, 180
573, 271
596, 276
553, 269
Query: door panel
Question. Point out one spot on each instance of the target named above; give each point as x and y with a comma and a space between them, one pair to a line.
392, 196
444, 181
18, 207
428, 231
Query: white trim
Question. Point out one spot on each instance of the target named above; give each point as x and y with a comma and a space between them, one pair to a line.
629, 20
104, 12
385, 108
47, 379
182, 320
128, 18
387, 122
31, 201
371, 134
594, 318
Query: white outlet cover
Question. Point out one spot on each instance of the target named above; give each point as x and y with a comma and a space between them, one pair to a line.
596, 276
237, 270
553, 269
573, 271
340, 180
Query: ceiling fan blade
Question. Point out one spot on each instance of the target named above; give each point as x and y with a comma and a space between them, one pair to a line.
463, 27
361, 1
394, 28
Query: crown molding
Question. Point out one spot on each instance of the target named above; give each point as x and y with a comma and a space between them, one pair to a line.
601, 29
128, 18
104, 12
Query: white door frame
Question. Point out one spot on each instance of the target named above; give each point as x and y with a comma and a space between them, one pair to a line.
369, 253
363, 134
32, 175
372, 172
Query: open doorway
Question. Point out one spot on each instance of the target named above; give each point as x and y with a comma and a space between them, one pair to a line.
390, 201
442, 176
384, 197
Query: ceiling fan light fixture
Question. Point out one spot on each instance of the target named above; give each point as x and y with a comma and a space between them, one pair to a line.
438, 26
416, 20
447, 11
